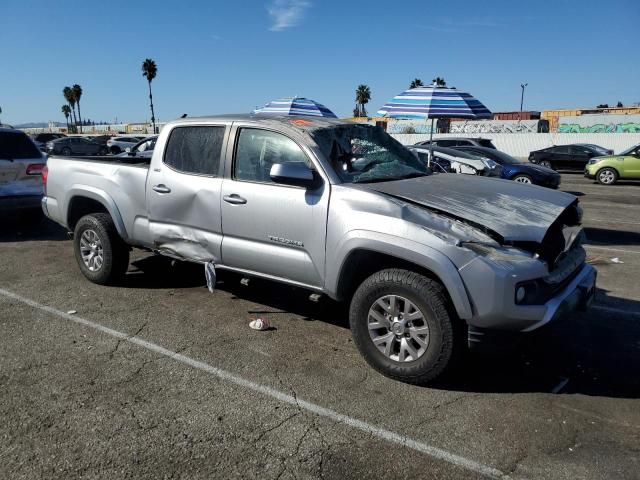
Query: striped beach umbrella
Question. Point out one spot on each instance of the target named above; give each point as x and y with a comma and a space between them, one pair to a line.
433, 102
295, 106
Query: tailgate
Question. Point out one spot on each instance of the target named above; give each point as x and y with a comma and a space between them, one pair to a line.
15, 181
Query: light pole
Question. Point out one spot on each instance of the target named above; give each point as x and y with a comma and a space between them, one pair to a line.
523, 86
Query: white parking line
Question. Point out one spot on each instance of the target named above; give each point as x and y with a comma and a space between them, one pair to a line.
381, 433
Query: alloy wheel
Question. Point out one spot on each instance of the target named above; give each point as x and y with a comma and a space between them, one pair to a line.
398, 328
607, 177
91, 250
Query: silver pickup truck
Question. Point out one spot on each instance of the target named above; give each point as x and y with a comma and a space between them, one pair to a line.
430, 263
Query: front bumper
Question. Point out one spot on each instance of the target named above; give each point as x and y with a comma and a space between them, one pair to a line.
578, 295
491, 287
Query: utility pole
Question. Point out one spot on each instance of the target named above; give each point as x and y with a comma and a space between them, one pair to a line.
523, 86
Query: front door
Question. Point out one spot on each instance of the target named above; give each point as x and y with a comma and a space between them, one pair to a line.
183, 194
270, 228
631, 165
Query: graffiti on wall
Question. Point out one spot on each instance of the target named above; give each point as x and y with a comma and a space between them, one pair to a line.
500, 126
629, 127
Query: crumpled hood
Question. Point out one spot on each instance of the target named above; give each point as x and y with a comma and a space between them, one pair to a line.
515, 211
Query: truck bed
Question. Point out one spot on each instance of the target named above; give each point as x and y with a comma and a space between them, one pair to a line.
118, 183
130, 161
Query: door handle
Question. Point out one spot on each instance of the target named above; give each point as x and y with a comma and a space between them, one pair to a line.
161, 188
234, 199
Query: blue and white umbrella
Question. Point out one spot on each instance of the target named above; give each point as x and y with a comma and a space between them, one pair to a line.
433, 102
295, 106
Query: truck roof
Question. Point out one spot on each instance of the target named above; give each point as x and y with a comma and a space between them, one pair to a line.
300, 122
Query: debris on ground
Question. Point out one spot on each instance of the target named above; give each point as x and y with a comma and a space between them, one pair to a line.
72, 312
210, 274
616, 260
260, 324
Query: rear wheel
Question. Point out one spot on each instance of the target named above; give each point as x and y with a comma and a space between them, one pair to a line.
607, 176
116, 150
66, 151
103, 151
401, 323
102, 255
521, 178
546, 163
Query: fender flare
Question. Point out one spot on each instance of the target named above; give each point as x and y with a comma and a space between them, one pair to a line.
404, 249
101, 197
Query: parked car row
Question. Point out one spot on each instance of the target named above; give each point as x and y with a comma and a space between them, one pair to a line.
596, 162
95, 145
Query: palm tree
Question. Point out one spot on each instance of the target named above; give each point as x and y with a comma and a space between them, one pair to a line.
440, 82
77, 94
150, 70
363, 95
67, 92
416, 83
66, 110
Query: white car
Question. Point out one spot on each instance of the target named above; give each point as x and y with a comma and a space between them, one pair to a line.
448, 160
120, 144
142, 149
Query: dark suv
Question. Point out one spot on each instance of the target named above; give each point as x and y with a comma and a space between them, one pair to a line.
460, 142
568, 157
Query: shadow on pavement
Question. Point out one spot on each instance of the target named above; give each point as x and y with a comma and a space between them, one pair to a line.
612, 237
591, 353
33, 226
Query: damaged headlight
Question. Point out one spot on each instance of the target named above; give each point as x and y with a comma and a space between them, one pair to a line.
498, 252
490, 164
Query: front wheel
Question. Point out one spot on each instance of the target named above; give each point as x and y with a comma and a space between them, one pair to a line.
607, 176
102, 255
523, 179
66, 151
401, 323
116, 150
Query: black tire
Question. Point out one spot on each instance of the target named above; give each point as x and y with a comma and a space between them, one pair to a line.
116, 150
431, 299
607, 176
66, 151
546, 163
115, 253
522, 178
103, 151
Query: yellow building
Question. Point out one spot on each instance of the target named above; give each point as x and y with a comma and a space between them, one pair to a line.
554, 115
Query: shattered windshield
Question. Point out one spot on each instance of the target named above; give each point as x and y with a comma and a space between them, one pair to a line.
364, 154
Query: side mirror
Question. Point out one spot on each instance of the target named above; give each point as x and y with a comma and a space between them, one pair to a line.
293, 173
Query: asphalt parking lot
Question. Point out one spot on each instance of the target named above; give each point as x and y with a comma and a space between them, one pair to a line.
159, 378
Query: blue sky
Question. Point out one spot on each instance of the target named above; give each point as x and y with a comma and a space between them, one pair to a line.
230, 56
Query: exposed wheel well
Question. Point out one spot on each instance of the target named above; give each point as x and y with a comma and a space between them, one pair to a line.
361, 264
81, 206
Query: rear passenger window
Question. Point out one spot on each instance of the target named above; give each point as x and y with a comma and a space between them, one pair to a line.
195, 150
258, 150
17, 145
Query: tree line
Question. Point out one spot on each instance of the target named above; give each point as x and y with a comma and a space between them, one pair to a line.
73, 94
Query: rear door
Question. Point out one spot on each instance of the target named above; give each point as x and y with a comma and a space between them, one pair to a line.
579, 156
183, 194
560, 157
270, 228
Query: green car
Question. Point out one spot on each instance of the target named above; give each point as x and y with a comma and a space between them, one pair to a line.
609, 169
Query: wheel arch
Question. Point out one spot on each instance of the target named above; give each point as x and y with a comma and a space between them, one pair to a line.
86, 200
361, 258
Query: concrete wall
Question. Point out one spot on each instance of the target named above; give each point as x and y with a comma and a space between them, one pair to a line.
520, 144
